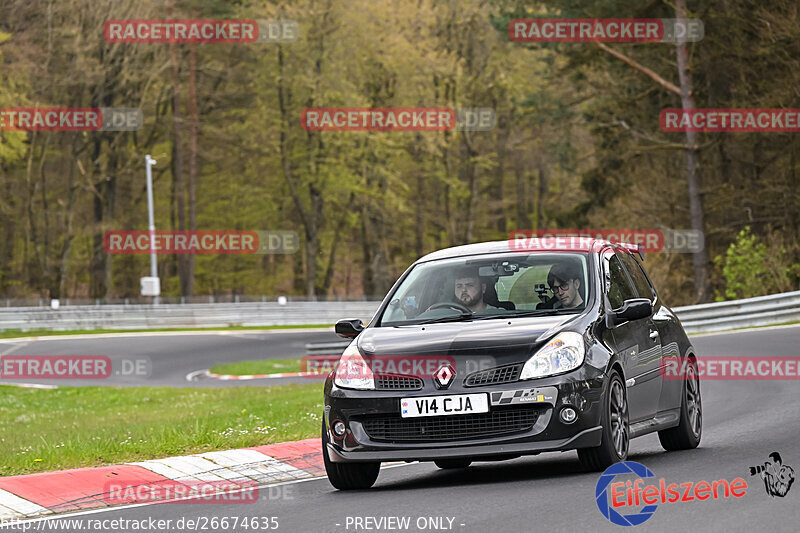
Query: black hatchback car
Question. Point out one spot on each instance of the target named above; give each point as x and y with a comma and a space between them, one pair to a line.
488, 352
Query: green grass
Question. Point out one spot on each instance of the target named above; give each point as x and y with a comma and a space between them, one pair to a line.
72, 427
266, 366
13, 333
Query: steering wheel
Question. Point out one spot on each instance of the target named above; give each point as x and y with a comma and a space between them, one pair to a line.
451, 305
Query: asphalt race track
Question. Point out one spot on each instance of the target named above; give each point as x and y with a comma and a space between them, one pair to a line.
744, 421
169, 357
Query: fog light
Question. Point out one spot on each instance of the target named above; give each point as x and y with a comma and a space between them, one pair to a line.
568, 415
338, 429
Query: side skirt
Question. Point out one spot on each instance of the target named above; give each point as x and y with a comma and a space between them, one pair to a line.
663, 420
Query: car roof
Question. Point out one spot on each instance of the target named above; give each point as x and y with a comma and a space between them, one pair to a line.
532, 245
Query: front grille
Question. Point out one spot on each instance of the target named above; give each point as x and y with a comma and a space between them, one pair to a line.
389, 382
496, 423
493, 376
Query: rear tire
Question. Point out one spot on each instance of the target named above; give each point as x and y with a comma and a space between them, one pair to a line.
686, 435
616, 429
348, 476
452, 464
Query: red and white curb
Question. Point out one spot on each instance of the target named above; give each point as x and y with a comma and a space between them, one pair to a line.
34, 495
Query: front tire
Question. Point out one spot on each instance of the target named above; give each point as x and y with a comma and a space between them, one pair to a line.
686, 435
616, 429
348, 476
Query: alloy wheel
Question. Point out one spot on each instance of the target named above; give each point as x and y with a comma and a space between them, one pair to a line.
693, 402
619, 418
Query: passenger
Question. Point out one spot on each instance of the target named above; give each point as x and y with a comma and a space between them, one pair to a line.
564, 281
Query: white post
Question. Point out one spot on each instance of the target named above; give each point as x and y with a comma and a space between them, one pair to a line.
151, 226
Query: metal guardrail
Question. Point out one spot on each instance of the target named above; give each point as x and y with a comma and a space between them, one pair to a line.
326, 348
760, 311
746, 313
178, 300
182, 316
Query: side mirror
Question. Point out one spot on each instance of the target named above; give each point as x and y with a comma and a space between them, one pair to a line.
633, 309
349, 328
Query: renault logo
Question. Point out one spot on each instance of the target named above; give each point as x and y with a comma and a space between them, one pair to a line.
444, 376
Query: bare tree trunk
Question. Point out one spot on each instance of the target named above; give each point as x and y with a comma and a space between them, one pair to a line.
498, 191
29, 199
472, 186
110, 197
419, 226
368, 279
104, 183
307, 219
794, 185
450, 205
97, 264
373, 223
43, 246
326, 283
540, 198
45, 234
523, 221
9, 224
298, 284
699, 259
177, 159
329, 270
419, 204
66, 224
192, 161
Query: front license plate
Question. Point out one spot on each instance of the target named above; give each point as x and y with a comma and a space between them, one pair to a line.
454, 404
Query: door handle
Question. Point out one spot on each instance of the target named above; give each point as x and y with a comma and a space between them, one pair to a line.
653, 334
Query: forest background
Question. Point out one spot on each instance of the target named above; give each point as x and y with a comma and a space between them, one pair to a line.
577, 143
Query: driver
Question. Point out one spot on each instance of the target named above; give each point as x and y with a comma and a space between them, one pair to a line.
469, 290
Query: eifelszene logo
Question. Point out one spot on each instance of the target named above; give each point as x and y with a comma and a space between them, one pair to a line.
778, 477
608, 508
634, 492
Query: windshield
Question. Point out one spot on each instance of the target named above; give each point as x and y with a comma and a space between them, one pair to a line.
485, 287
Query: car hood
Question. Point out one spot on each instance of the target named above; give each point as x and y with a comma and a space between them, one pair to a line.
503, 340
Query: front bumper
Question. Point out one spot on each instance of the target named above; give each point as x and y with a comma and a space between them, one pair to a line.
581, 389
584, 439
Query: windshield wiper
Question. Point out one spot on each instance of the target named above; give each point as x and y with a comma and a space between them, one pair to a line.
464, 316
452, 318
538, 312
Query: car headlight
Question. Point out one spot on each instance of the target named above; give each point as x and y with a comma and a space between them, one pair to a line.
563, 353
353, 372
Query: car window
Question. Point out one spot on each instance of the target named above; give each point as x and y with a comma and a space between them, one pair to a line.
640, 281
492, 285
619, 286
